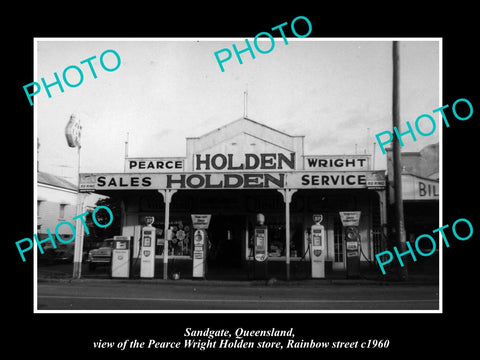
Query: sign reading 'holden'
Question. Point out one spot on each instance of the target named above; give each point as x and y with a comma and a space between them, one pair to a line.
263, 161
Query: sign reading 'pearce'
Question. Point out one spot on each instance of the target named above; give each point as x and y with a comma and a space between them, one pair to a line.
222, 162
153, 165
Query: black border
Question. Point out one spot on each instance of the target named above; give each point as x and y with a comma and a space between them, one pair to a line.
61, 335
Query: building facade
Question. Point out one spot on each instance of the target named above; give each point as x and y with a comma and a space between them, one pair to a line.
56, 202
234, 173
421, 196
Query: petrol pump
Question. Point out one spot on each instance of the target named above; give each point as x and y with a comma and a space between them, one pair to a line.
147, 248
317, 252
260, 248
200, 248
350, 222
121, 256
200, 224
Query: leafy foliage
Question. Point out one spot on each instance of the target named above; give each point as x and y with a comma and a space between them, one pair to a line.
96, 233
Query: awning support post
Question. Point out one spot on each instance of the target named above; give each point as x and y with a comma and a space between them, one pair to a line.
287, 198
167, 198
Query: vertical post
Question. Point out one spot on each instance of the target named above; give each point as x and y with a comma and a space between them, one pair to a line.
126, 155
287, 234
165, 234
78, 245
245, 96
287, 198
123, 216
167, 197
400, 239
367, 150
38, 148
382, 200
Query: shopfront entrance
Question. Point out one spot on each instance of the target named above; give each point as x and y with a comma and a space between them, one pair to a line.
233, 173
226, 233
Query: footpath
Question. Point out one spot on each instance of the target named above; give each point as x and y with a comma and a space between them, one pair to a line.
368, 279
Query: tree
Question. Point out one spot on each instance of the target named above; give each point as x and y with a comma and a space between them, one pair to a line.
97, 233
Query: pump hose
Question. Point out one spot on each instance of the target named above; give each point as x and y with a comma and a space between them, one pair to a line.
297, 266
308, 249
361, 251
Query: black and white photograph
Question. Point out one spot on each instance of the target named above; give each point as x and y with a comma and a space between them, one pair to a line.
256, 182
258, 185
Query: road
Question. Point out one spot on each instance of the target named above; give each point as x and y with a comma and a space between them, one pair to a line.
203, 295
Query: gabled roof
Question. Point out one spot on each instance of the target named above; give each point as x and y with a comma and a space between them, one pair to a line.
244, 125
54, 180
240, 120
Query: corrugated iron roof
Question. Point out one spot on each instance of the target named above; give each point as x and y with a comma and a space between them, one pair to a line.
54, 180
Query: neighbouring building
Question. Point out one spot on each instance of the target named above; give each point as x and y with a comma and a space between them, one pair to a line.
421, 194
56, 202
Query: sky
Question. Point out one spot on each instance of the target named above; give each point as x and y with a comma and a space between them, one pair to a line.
336, 93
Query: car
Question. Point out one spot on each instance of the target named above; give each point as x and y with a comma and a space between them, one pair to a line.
64, 253
102, 255
61, 253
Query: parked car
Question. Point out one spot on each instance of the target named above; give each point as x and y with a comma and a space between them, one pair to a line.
62, 253
102, 255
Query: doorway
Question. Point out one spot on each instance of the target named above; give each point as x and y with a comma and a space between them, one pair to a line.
225, 235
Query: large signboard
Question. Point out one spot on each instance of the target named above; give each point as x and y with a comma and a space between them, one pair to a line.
246, 180
336, 162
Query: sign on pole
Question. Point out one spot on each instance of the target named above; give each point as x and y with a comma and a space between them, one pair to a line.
350, 218
201, 221
73, 131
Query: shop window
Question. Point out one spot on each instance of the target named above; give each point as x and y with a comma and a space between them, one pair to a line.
182, 233
276, 240
62, 211
39, 207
